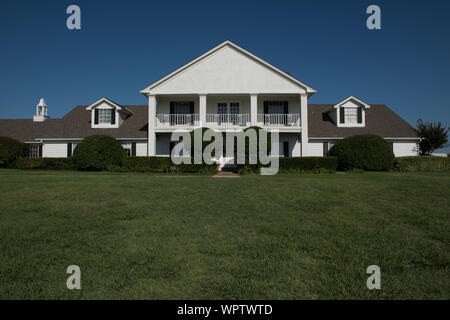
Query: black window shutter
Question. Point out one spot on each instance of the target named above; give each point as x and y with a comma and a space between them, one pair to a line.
360, 115
96, 116
133, 149
113, 116
342, 115
69, 150
285, 107
325, 148
286, 148
40, 150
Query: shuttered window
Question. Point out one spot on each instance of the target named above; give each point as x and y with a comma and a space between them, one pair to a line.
351, 115
104, 116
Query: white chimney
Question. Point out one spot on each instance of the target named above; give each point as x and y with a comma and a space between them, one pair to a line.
41, 111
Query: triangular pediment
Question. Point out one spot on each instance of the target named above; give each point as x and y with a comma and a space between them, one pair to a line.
227, 69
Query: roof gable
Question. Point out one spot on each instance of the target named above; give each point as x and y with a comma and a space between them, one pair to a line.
227, 68
107, 102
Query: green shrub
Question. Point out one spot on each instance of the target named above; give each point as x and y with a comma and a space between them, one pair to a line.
295, 165
367, 152
308, 164
165, 165
98, 152
10, 149
43, 163
422, 163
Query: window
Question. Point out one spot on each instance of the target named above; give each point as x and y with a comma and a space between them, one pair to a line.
181, 107
351, 115
104, 116
275, 107
34, 151
234, 108
221, 108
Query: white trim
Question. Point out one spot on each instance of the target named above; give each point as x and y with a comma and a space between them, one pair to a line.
328, 138
352, 98
308, 89
92, 106
73, 139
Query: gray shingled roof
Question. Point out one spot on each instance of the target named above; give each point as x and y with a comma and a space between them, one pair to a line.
380, 120
75, 124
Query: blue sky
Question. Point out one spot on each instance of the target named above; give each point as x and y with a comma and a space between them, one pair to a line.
125, 45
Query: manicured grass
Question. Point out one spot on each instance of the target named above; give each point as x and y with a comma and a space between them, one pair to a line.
254, 237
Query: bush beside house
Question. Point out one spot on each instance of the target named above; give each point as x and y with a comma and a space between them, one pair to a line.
165, 165
98, 152
366, 152
296, 165
10, 149
43, 164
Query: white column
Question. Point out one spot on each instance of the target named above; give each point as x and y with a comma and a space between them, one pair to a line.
151, 143
253, 109
304, 123
202, 109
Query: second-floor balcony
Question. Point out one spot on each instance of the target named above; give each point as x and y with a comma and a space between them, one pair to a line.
227, 120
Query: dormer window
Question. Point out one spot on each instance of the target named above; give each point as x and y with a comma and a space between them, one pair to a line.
348, 113
351, 115
107, 114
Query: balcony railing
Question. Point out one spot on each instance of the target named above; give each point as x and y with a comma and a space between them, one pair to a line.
279, 120
228, 120
168, 120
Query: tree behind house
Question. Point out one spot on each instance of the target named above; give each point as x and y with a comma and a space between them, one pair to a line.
433, 136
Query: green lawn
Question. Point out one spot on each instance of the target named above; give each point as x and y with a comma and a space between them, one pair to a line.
198, 237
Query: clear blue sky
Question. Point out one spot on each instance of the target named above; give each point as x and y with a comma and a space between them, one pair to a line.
125, 45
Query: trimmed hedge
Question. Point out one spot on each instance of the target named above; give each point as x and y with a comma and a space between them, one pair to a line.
297, 165
98, 152
367, 152
164, 165
10, 149
308, 164
43, 163
422, 163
